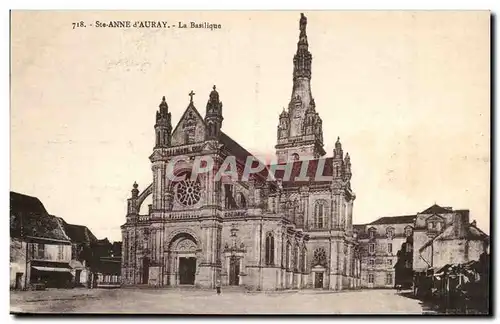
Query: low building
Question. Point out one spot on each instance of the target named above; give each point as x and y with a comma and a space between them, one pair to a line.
108, 272
446, 237
398, 250
107, 267
82, 240
40, 250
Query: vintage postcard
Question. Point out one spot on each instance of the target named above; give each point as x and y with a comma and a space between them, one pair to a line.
250, 162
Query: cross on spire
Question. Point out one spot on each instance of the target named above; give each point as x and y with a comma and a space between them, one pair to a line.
191, 94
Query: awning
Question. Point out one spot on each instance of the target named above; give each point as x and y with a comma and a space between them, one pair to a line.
75, 264
50, 269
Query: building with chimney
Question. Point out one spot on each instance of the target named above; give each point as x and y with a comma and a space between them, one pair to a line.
264, 232
397, 250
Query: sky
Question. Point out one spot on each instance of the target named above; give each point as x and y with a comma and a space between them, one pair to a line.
408, 93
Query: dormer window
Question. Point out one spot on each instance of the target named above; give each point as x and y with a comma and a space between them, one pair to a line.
371, 233
408, 231
435, 224
390, 233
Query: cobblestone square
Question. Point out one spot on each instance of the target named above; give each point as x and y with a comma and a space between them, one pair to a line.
169, 301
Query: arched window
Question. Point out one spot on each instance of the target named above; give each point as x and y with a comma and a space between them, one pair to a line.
157, 138
319, 215
408, 231
269, 249
295, 157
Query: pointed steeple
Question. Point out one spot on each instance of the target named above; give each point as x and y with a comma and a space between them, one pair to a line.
301, 98
213, 115
163, 125
337, 152
300, 128
302, 59
347, 165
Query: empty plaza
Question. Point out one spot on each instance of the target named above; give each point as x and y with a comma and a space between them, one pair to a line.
190, 301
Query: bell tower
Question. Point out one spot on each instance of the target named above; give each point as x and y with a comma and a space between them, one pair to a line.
300, 130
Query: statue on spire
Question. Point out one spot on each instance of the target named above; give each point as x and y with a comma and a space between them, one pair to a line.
303, 23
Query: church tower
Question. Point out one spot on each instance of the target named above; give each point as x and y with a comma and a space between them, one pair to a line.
163, 126
213, 116
300, 132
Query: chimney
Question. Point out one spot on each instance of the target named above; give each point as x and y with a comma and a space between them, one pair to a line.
458, 224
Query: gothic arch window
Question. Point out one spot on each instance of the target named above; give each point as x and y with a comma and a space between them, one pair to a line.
337, 171
269, 249
158, 138
320, 214
319, 257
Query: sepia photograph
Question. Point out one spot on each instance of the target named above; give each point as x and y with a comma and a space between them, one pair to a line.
250, 162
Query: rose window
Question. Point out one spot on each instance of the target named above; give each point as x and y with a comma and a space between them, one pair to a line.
188, 192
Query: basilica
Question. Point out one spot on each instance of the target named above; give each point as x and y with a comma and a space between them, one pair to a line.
272, 231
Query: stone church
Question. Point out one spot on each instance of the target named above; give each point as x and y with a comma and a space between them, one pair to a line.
267, 232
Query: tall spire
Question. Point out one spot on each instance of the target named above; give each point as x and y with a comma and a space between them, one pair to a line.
301, 92
303, 58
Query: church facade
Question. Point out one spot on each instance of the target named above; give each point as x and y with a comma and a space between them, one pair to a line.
273, 230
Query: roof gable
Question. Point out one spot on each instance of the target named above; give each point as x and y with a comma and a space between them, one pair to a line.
190, 119
436, 209
434, 217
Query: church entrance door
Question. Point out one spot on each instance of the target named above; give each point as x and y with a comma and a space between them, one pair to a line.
145, 270
318, 280
234, 271
187, 271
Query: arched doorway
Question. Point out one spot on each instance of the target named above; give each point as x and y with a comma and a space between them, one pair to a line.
187, 270
145, 270
183, 249
234, 271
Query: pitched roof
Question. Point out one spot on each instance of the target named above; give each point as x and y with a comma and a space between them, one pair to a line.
79, 233
241, 154
313, 167
435, 209
232, 146
472, 233
394, 220
24, 204
28, 217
